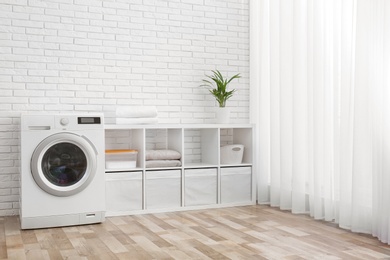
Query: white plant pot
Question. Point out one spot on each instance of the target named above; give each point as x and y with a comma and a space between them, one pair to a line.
222, 115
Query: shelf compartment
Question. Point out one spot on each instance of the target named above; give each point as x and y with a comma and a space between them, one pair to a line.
165, 139
201, 146
124, 139
238, 136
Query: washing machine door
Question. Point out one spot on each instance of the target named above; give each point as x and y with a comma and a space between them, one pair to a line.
64, 164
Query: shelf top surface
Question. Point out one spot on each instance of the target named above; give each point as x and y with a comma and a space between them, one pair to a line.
177, 126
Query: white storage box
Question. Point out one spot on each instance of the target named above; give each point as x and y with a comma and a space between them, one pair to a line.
200, 187
163, 189
236, 185
123, 192
121, 159
232, 154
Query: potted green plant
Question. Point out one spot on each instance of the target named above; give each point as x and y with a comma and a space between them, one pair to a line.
217, 86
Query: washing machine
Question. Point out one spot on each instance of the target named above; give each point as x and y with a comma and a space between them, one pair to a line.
62, 179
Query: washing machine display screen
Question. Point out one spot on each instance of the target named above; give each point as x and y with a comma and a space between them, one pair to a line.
64, 164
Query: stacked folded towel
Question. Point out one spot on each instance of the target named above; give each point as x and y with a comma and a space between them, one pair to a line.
136, 115
162, 158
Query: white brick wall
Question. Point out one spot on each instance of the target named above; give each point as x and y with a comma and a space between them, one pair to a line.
92, 55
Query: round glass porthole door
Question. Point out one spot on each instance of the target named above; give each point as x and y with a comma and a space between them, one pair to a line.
63, 164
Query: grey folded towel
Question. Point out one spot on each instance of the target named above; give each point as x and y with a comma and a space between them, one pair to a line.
162, 163
162, 155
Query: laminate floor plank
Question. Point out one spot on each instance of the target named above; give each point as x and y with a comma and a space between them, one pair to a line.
250, 232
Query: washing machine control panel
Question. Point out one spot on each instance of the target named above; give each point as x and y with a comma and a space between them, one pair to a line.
77, 122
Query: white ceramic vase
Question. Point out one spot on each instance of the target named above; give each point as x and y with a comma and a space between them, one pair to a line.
222, 115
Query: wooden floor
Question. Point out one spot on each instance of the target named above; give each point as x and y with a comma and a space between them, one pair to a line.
252, 232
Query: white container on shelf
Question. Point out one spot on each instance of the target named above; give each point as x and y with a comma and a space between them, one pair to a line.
232, 154
236, 185
121, 159
200, 187
123, 192
163, 189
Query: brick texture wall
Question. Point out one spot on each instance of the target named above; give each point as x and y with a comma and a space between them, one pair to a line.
95, 55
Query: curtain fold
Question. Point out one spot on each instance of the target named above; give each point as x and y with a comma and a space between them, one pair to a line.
324, 115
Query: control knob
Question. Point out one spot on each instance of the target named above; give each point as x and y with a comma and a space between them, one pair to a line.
64, 121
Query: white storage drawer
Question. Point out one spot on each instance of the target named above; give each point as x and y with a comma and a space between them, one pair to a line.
236, 184
123, 191
163, 189
200, 187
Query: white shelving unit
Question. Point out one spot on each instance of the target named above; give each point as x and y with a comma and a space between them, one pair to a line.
200, 182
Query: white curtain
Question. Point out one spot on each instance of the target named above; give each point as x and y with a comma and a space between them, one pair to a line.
321, 100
